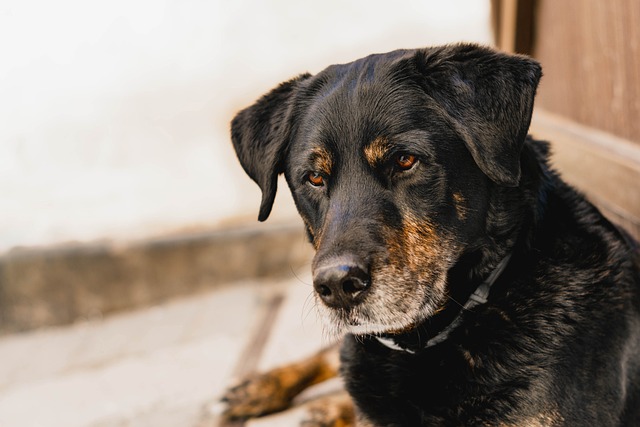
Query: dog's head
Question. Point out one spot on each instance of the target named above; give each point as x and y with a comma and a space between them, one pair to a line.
391, 160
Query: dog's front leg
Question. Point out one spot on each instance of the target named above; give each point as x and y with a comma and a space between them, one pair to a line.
274, 390
334, 410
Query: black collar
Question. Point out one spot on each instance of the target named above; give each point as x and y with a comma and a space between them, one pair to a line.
478, 297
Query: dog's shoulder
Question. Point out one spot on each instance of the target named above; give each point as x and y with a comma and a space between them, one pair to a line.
572, 286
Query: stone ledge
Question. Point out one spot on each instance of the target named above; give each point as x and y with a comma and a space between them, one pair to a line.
62, 284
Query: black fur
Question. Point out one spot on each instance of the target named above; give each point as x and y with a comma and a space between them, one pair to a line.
558, 342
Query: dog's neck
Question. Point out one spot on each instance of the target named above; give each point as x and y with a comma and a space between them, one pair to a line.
420, 337
478, 270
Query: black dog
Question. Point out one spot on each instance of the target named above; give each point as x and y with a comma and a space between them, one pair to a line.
475, 287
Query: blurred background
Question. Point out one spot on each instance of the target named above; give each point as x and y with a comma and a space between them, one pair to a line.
135, 281
115, 116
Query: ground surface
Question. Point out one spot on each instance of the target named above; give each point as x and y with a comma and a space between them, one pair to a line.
162, 366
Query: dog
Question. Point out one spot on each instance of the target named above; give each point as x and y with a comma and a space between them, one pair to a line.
473, 286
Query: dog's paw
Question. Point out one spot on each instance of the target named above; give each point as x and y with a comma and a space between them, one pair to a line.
331, 411
258, 395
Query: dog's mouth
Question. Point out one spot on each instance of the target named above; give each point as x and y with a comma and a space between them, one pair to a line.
357, 325
388, 313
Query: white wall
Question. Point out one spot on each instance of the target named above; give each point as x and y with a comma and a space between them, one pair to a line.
114, 115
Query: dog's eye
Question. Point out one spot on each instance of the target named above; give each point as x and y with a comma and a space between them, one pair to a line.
315, 179
406, 161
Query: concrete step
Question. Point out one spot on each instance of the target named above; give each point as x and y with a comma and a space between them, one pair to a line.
63, 284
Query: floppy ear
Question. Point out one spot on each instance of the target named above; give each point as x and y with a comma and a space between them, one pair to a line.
260, 134
489, 97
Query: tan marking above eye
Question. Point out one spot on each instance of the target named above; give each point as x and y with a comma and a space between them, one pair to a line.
322, 160
376, 151
406, 161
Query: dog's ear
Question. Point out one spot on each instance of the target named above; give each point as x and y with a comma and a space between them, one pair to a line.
260, 134
489, 97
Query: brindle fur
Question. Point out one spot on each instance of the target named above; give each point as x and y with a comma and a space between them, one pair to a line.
557, 343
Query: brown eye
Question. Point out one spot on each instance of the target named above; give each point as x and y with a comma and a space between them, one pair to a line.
315, 179
406, 161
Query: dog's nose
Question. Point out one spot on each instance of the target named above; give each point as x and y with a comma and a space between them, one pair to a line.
341, 283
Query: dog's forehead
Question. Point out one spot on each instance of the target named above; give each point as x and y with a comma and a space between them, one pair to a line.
375, 64
350, 106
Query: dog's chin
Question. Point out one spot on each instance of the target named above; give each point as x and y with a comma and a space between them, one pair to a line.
378, 329
354, 323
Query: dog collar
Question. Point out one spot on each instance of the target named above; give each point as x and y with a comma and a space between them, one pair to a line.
478, 297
